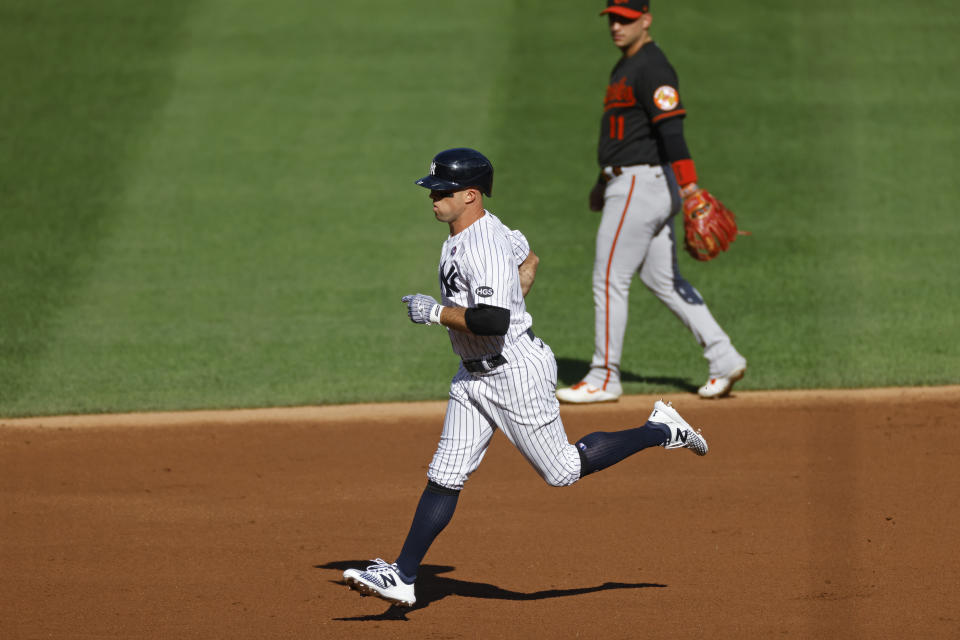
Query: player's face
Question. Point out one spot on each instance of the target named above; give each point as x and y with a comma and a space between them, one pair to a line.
629, 35
447, 205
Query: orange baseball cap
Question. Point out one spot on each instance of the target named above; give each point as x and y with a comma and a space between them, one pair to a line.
632, 9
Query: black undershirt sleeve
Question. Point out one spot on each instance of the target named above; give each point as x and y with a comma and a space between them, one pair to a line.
486, 320
670, 132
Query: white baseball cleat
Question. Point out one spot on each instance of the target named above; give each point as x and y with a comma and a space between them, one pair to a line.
721, 386
583, 393
383, 581
682, 435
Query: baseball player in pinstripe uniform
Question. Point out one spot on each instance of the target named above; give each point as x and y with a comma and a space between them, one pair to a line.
646, 170
507, 376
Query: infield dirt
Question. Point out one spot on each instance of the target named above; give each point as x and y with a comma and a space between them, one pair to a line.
819, 514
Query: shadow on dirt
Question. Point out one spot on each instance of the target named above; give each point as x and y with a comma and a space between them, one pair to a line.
571, 370
431, 587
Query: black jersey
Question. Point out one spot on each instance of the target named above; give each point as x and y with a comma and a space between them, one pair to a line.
643, 91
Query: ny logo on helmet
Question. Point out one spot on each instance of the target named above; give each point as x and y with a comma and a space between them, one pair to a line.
433, 168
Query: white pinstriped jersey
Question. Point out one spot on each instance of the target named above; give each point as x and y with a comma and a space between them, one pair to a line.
479, 266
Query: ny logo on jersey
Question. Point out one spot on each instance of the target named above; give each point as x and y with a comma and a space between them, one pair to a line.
448, 279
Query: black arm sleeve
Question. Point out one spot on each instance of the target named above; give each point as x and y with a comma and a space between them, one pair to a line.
485, 320
670, 132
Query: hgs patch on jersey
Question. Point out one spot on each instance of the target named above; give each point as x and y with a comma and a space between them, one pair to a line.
666, 98
484, 292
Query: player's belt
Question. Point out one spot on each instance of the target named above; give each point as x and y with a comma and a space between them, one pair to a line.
616, 171
486, 365
609, 173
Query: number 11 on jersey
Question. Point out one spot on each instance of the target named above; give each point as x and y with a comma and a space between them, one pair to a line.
616, 127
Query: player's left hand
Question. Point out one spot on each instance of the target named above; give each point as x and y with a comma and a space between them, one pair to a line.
709, 227
422, 308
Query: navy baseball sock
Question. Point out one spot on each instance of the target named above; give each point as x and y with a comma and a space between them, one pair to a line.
434, 511
600, 450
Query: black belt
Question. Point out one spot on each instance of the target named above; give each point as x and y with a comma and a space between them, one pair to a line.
617, 170
486, 365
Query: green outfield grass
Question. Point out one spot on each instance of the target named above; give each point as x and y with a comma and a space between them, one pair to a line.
211, 204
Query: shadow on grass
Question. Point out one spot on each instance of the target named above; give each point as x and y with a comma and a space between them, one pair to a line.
570, 371
431, 587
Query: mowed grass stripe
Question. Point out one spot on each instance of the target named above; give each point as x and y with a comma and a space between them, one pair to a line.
804, 120
254, 259
80, 84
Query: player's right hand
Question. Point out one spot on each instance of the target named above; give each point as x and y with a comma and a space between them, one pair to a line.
596, 196
422, 308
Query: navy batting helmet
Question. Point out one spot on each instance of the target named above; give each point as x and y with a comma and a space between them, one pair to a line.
458, 169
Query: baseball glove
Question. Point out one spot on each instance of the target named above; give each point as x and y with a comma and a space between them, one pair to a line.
709, 227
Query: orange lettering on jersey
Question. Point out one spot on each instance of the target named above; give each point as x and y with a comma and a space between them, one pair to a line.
619, 94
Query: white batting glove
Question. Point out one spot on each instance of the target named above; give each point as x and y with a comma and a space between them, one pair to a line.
422, 309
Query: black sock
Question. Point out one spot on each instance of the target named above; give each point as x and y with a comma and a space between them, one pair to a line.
434, 511
600, 450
